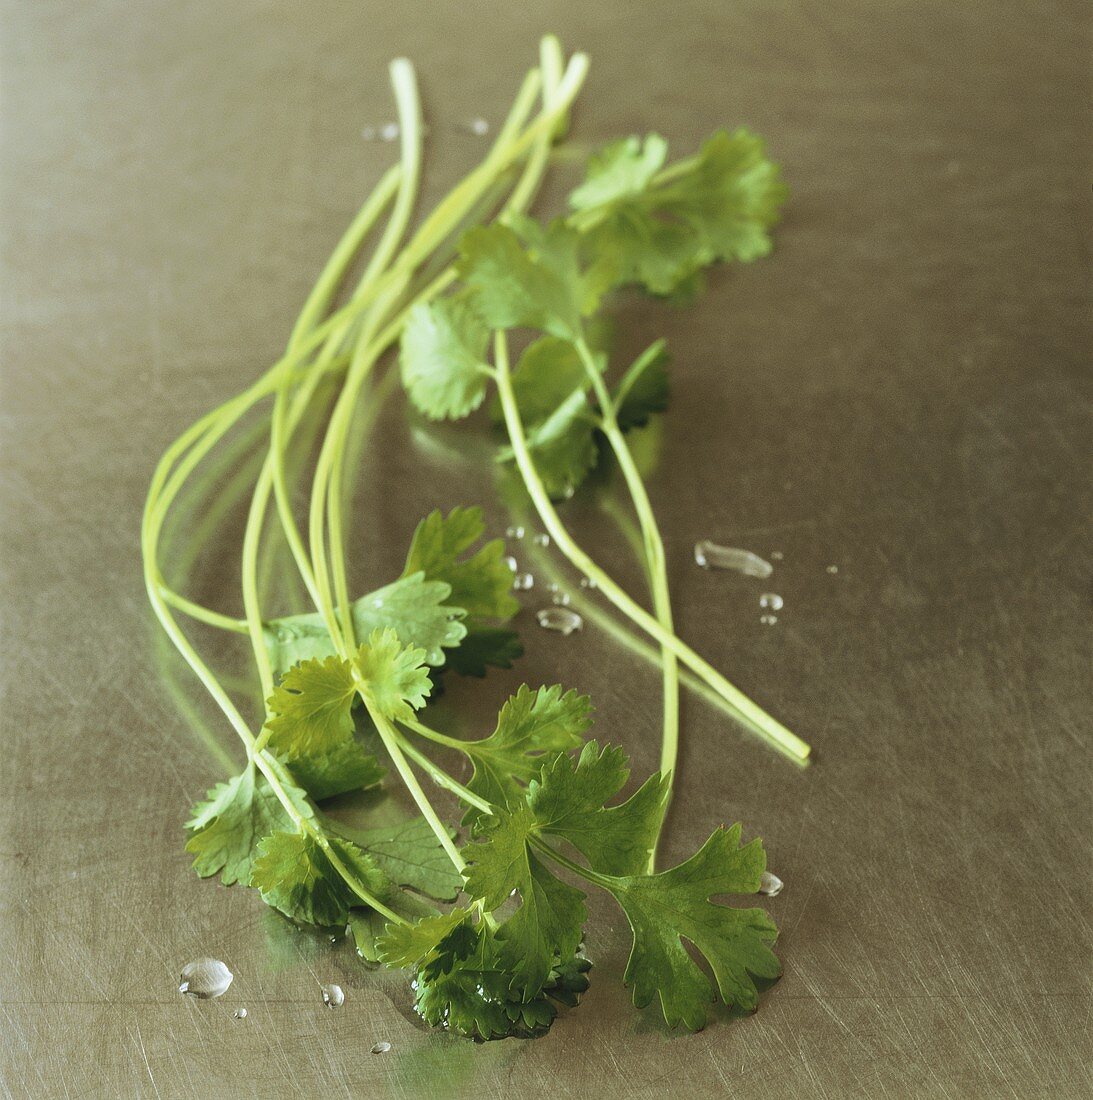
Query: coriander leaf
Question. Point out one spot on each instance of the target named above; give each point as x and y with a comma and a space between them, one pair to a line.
530, 724
482, 648
447, 936
235, 816
311, 729
396, 681
550, 385
514, 289
620, 169
414, 606
719, 208
644, 389
666, 908
368, 926
463, 982
551, 914
344, 766
568, 799
310, 708
443, 358
409, 853
295, 875
480, 584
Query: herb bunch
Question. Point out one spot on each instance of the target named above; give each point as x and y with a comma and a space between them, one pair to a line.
346, 683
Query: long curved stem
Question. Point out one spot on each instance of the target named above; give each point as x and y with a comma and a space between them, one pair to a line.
772, 730
655, 563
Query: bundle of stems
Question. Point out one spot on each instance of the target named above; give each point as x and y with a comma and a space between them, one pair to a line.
345, 342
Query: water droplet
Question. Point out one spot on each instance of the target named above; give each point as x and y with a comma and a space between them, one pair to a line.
542, 540
514, 532
381, 1047
333, 939
240, 1014
771, 885
389, 131
833, 569
523, 581
512, 563
776, 555
560, 619
711, 556
588, 582
560, 599
333, 996
771, 601
552, 587
768, 620
569, 491
377, 602
479, 127
205, 978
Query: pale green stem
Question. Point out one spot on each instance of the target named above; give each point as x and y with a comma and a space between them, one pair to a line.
655, 562
772, 730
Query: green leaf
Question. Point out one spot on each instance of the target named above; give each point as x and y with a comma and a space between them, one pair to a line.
720, 208
396, 681
235, 816
667, 908
345, 766
311, 729
515, 288
463, 982
409, 853
644, 389
484, 647
619, 170
295, 876
551, 914
310, 707
568, 799
435, 938
443, 358
368, 926
550, 384
415, 607
530, 724
480, 584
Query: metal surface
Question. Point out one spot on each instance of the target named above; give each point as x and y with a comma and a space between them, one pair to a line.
896, 391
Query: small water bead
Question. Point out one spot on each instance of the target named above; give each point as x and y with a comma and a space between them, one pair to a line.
386, 131
588, 582
239, 1014
771, 885
561, 619
205, 978
771, 601
833, 569
542, 540
560, 599
479, 126
333, 996
768, 620
552, 587
381, 1047
514, 532
523, 581
512, 563
776, 555
711, 556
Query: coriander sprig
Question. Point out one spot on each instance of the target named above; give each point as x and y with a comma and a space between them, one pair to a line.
351, 677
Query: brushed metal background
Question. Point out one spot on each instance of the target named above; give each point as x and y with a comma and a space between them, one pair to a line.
900, 390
